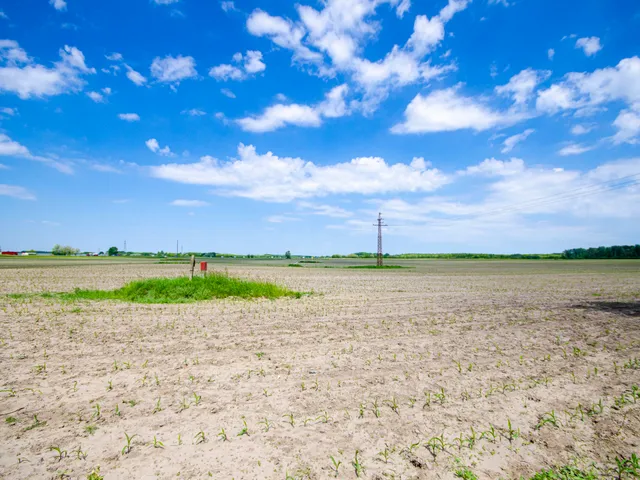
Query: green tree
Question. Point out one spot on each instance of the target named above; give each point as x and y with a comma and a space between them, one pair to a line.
287, 255
113, 251
66, 250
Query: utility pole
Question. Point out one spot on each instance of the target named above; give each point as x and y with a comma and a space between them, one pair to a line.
125, 246
177, 247
380, 224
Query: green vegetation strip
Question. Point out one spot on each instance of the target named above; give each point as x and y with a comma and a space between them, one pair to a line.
181, 290
376, 267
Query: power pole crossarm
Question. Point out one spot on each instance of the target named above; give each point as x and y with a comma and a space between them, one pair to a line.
380, 224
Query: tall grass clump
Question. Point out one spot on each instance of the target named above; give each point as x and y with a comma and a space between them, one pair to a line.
184, 290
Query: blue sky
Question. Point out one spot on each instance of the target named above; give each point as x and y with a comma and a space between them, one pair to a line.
250, 127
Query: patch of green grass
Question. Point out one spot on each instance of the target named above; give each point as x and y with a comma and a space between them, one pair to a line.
377, 267
182, 290
465, 474
294, 265
565, 473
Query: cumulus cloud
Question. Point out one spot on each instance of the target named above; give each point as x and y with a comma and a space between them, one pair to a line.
245, 66
58, 4
153, 145
522, 85
280, 115
20, 75
135, 77
447, 110
512, 141
580, 90
628, 125
15, 191
332, 41
227, 93
173, 69
129, 117
280, 179
96, 97
228, 6
590, 45
581, 129
10, 148
551, 53
189, 203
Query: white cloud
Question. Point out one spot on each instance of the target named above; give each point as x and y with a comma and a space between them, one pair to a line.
590, 45
165, 2
494, 168
96, 97
581, 129
153, 145
325, 210
504, 3
447, 110
227, 6
280, 115
10, 148
522, 85
246, 65
114, 57
15, 191
580, 90
512, 141
104, 168
628, 125
551, 53
58, 4
281, 219
9, 111
574, 149
20, 75
129, 117
189, 203
135, 77
281, 179
403, 7
227, 93
173, 69
194, 112
338, 32
3, 15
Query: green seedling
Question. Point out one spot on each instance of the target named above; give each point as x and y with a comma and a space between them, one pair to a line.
157, 408
386, 453
245, 429
117, 412
547, 418
11, 420
324, 417
259, 355
458, 365
80, 455
183, 405
90, 429
441, 397
110, 386
489, 434
471, 439
36, 423
127, 448
336, 464
157, 443
465, 474
59, 452
375, 408
267, 424
357, 465
196, 399
200, 437
393, 404
427, 400
292, 421
223, 435
96, 414
95, 474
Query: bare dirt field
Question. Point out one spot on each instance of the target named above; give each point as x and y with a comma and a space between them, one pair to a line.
505, 368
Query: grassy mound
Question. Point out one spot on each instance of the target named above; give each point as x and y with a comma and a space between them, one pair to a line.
183, 290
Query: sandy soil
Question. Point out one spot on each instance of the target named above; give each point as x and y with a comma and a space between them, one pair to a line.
389, 364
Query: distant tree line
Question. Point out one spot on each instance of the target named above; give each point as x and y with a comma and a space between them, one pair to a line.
492, 256
64, 250
616, 251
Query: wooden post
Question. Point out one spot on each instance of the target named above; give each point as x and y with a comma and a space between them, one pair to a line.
193, 265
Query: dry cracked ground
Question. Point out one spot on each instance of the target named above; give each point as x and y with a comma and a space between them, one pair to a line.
502, 368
